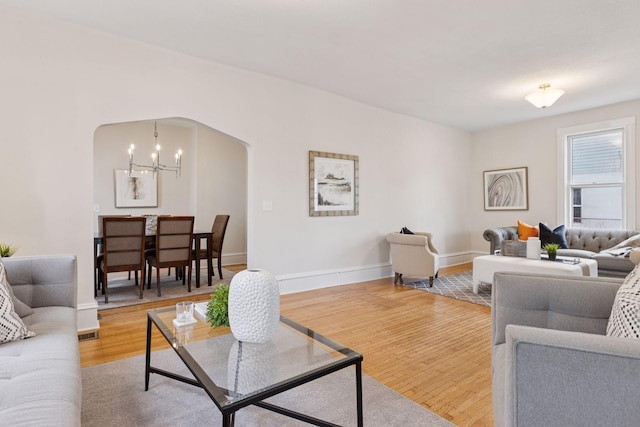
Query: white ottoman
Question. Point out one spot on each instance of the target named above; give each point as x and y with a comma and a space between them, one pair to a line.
484, 267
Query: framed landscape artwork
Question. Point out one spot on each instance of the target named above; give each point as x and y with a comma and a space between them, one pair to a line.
506, 190
333, 184
138, 190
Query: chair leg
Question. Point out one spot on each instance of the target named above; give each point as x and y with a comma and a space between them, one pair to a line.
105, 289
158, 280
220, 267
142, 274
189, 279
431, 282
136, 274
149, 276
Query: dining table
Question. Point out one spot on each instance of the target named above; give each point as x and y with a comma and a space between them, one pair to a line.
150, 240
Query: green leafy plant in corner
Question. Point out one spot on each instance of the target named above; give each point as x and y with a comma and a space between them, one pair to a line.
218, 307
6, 250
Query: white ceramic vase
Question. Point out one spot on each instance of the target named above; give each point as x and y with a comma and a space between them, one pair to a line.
254, 306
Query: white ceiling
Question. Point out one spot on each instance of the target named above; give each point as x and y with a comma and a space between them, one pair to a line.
461, 63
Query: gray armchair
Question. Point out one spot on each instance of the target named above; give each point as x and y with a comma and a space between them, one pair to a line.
552, 364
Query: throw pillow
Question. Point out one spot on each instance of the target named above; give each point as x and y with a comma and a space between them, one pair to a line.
11, 326
405, 230
556, 235
624, 321
525, 231
21, 308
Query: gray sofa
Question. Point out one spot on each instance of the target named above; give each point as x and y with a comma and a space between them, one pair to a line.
583, 243
41, 382
552, 364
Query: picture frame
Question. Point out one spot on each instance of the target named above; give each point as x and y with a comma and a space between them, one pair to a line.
334, 181
506, 189
140, 190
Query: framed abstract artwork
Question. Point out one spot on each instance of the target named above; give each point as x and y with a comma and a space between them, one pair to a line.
506, 190
333, 184
138, 190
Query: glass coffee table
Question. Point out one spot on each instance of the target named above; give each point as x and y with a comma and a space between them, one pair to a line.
237, 374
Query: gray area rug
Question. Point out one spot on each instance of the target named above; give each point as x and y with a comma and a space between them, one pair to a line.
458, 286
124, 292
113, 395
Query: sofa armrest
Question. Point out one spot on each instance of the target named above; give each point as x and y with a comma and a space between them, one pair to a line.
570, 303
41, 281
570, 378
495, 236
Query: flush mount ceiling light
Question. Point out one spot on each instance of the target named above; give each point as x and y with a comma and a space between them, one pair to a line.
545, 97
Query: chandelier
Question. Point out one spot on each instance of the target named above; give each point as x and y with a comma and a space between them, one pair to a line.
156, 165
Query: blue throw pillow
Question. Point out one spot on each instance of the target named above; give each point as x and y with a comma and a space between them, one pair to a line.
556, 235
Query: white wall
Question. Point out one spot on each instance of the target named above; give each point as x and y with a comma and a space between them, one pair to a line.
213, 179
61, 82
532, 144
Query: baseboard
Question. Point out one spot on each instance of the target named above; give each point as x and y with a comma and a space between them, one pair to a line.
291, 283
88, 317
234, 258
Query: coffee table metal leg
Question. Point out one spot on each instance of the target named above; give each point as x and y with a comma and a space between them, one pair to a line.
228, 420
148, 356
359, 393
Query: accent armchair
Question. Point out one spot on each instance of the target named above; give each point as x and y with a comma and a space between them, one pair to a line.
413, 255
552, 364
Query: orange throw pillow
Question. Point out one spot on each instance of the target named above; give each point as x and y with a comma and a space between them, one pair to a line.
525, 231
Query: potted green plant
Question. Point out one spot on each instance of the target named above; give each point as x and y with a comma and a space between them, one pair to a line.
6, 250
218, 307
552, 250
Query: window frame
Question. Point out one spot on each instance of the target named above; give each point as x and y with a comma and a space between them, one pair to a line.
627, 125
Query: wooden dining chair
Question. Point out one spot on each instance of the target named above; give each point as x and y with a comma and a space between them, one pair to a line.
123, 249
174, 235
218, 230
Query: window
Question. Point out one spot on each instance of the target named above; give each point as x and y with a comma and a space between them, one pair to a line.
596, 167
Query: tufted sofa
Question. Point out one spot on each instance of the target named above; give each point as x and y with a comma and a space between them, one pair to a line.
40, 379
583, 243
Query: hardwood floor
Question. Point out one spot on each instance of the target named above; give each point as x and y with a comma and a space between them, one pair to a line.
432, 349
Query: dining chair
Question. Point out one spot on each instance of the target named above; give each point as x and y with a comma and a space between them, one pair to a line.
174, 235
98, 249
123, 249
218, 230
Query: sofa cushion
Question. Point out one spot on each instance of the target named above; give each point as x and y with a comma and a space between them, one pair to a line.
624, 321
525, 231
577, 253
40, 378
11, 326
21, 308
611, 262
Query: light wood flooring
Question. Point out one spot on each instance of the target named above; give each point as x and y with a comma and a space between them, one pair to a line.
432, 349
